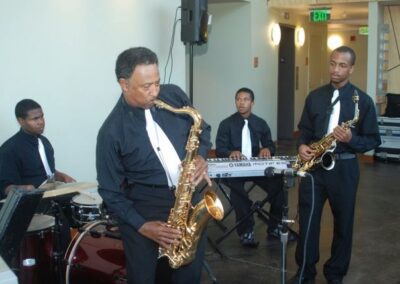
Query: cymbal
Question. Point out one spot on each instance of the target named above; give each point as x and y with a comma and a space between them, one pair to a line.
67, 188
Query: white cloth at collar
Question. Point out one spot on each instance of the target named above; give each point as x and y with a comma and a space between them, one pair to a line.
246, 140
164, 149
43, 157
334, 119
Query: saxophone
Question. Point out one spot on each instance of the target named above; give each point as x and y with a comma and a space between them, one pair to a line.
183, 216
324, 148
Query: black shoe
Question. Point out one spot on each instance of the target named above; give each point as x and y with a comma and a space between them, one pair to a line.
296, 280
247, 240
276, 234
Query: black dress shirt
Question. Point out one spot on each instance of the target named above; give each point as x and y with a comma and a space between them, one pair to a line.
20, 161
365, 134
229, 135
125, 156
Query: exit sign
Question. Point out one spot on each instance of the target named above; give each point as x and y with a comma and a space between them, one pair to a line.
320, 15
363, 30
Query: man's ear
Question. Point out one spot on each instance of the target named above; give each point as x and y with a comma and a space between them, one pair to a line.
351, 69
124, 84
20, 121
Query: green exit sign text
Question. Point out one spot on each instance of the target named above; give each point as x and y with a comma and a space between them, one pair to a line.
320, 15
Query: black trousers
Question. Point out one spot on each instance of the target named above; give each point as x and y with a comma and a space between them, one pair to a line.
339, 187
242, 203
142, 253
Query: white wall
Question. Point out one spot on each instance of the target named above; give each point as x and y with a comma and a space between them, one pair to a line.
239, 32
222, 66
62, 54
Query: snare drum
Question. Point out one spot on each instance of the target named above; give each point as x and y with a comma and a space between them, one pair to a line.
86, 207
35, 259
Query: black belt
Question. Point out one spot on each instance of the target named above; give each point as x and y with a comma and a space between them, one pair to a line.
149, 185
345, 156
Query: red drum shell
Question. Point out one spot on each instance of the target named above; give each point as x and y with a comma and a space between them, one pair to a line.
35, 259
93, 257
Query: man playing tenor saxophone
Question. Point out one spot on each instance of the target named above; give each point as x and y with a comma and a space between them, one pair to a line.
325, 112
138, 156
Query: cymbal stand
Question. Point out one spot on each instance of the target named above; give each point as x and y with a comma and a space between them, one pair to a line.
58, 253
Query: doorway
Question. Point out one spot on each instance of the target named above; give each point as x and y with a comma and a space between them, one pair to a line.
286, 67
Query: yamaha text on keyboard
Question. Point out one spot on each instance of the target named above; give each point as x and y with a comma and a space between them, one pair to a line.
254, 167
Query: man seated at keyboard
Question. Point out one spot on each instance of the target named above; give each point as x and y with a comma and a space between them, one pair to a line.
239, 137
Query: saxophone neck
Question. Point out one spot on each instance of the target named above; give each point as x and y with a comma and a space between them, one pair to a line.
194, 114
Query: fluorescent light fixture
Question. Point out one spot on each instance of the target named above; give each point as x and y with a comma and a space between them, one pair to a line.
300, 35
276, 34
334, 41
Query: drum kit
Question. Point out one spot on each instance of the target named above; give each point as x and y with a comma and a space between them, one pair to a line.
95, 254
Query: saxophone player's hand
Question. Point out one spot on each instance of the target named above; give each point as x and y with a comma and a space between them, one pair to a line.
342, 134
305, 152
200, 172
161, 233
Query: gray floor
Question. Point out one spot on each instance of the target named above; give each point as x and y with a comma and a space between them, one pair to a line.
376, 252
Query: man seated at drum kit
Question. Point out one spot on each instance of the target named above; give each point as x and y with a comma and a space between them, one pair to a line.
27, 158
27, 162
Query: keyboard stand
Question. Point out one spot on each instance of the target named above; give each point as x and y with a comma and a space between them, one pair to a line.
265, 216
256, 207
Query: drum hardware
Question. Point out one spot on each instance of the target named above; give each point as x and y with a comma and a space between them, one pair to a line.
60, 240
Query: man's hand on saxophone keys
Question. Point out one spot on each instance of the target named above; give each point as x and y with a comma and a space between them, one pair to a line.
342, 134
305, 152
161, 233
201, 171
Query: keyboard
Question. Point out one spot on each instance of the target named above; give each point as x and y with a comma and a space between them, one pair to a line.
254, 167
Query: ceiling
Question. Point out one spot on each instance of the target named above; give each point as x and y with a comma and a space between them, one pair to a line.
344, 16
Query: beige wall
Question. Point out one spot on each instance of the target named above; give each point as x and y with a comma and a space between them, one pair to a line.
359, 45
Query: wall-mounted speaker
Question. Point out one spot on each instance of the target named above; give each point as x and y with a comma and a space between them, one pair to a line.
194, 21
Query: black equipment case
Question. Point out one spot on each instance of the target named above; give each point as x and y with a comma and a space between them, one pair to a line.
389, 129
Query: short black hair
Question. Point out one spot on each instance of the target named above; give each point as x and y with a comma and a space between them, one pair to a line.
130, 58
23, 107
346, 49
245, 90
